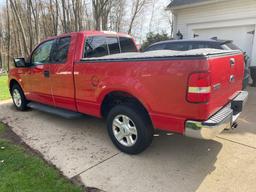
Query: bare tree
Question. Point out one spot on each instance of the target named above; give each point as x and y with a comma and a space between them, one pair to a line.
54, 10
64, 22
116, 15
152, 15
137, 8
101, 9
17, 15
8, 34
24, 23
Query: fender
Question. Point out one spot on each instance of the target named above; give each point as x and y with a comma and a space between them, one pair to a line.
137, 90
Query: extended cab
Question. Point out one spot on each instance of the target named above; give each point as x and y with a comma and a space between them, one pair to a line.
196, 93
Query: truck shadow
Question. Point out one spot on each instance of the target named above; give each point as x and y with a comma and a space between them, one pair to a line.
177, 163
171, 163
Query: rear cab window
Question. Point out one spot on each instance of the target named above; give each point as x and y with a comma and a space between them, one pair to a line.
99, 46
95, 47
127, 45
113, 45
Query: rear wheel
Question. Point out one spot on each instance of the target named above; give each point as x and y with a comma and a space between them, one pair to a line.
129, 128
19, 98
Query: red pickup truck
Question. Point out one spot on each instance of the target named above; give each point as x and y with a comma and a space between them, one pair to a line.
196, 93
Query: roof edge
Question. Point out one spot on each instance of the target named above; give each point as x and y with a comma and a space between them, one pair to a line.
169, 7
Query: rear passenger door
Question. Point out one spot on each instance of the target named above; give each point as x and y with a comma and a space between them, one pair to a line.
61, 73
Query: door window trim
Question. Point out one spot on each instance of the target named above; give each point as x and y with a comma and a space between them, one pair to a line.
55, 45
30, 59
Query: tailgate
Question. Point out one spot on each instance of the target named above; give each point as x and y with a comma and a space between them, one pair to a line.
227, 76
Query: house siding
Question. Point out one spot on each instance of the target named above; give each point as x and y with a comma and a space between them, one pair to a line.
227, 10
218, 14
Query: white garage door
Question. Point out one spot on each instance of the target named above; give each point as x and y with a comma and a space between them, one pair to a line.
242, 36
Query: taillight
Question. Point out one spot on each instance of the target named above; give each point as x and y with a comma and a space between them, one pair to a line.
199, 87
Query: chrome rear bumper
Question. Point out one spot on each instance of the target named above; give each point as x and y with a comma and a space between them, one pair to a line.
223, 119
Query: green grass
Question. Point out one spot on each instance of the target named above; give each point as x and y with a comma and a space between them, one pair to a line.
2, 128
4, 91
23, 171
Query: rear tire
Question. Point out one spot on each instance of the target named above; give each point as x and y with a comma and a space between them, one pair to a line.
129, 128
18, 97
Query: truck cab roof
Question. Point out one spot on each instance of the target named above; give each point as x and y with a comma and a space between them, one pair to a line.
94, 33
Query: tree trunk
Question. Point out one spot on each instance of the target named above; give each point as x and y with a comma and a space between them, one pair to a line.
64, 16
21, 28
8, 34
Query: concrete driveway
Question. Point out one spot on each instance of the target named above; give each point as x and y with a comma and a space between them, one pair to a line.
81, 149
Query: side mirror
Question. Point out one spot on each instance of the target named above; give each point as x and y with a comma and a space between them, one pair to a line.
20, 62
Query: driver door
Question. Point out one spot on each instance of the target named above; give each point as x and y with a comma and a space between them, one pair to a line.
39, 78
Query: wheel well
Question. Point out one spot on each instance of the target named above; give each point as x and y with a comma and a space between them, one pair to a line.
12, 83
115, 98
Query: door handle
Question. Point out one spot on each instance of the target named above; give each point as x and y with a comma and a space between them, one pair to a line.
47, 74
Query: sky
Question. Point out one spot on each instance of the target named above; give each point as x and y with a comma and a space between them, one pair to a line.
160, 21
2, 2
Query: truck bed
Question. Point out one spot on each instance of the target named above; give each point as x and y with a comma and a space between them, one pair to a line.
160, 80
161, 54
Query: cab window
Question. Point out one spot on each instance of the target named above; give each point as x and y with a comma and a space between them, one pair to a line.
42, 53
60, 51
127, 45
113, 45
95, 47
98, 46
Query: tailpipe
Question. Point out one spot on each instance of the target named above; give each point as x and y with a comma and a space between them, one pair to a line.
234, 125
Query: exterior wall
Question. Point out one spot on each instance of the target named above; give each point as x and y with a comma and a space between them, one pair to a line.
219, 14
253, 63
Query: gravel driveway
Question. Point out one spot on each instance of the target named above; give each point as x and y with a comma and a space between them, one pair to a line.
81, 149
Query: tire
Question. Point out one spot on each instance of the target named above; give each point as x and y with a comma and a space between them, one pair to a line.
129, 128
18, 97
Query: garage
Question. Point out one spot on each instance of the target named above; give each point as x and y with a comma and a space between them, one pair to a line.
225, 19
242, 36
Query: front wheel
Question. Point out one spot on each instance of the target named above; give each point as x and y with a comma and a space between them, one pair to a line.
129, 128
19, 98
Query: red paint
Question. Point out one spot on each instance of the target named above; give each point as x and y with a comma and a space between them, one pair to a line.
161, 86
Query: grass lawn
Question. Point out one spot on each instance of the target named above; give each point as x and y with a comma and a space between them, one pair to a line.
22, 170
4, 91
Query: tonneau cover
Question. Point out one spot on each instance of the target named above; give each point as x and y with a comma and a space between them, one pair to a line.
165, 53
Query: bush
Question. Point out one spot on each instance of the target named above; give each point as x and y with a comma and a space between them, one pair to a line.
153, 38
